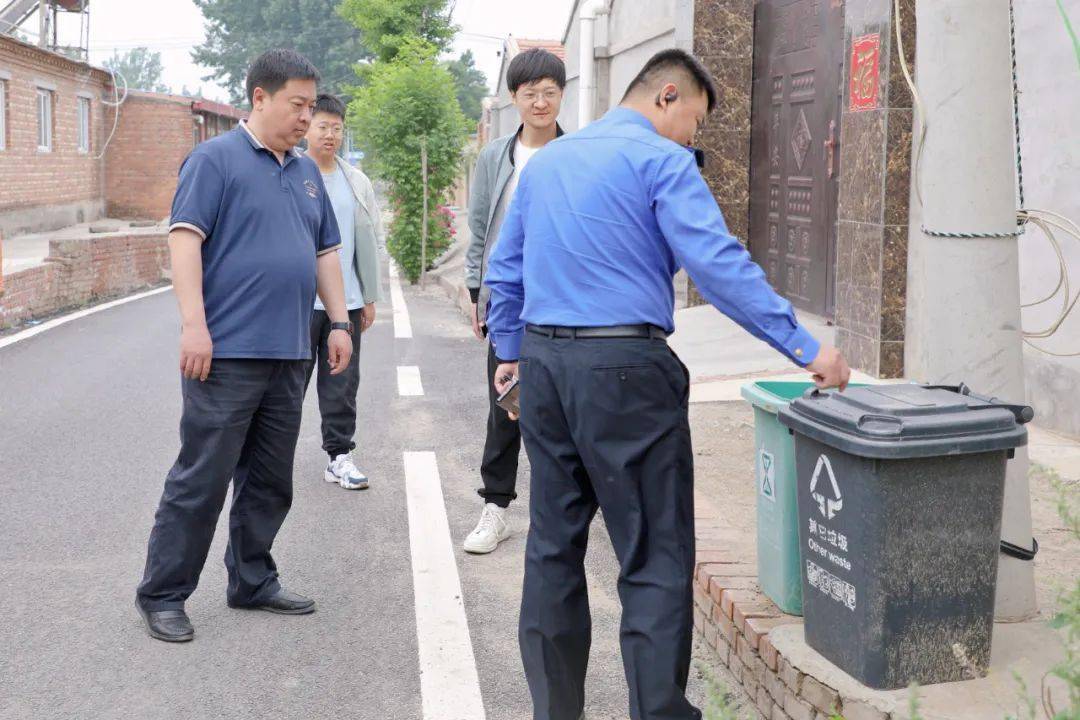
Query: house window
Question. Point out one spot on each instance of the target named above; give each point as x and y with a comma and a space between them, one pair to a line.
45, 120
3, 115
84, 125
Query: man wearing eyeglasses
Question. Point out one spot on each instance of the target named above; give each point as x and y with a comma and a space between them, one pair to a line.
536, 79
361, 228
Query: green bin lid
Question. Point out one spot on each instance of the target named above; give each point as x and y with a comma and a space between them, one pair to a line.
908, 421
771, 395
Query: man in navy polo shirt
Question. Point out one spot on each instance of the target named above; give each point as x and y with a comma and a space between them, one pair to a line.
253, 238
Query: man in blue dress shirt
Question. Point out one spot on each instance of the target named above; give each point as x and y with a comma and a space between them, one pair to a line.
582, 297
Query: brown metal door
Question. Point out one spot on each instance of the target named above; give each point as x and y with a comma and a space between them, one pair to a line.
795, 155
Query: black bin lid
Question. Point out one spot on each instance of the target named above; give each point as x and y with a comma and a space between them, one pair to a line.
908, 421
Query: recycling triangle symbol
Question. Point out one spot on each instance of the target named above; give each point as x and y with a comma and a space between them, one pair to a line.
766, 483
828, 506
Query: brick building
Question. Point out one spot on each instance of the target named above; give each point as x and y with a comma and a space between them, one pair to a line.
52, 131
67, 157
153, 136
58, 164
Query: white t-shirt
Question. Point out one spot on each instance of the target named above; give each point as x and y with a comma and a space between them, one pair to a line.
522, 156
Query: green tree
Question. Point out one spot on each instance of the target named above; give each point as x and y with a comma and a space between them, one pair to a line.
140, 68
238, 31
408, 101
471, 83
387, 25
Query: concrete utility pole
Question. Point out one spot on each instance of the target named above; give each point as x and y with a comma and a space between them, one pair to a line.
964, 293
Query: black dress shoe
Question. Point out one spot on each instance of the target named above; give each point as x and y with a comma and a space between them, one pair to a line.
284, 603
167, 625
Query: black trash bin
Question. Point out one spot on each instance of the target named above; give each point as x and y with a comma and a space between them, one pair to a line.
900, 495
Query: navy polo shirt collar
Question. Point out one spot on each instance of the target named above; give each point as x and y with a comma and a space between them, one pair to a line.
257, 144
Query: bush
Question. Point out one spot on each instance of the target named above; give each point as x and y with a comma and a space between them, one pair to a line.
406, 101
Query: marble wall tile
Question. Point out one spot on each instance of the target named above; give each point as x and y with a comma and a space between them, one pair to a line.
891, 360
737, 216
733, 78
897, 166
845, 238
858, 310
860, 15
727, 164
861, 353
724, 40
724, 28
862, 166
866, 256
894, 283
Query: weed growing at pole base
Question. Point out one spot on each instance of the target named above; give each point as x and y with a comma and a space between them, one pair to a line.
1067, 619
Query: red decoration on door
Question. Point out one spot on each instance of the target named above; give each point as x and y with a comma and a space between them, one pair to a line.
865, 72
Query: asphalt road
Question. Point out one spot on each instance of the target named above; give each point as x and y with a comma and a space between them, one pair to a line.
89, 413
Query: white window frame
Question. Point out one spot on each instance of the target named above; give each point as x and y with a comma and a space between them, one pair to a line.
83, 108
45, 120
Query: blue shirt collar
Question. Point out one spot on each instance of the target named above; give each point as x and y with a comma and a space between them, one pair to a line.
622, 114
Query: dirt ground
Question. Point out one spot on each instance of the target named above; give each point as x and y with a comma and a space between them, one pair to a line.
1058, 561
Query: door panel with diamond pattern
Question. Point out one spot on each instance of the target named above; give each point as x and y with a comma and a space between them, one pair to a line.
794, 165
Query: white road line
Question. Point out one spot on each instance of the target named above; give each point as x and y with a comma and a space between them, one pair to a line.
408, 381
57, 322
449, 684
402, 324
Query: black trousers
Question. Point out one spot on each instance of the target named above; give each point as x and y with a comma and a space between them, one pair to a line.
337, 393
502, 446
241, 424
605, 424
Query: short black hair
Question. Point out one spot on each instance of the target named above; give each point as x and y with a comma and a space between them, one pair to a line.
535, 65
674, 59
274, 68
329, 104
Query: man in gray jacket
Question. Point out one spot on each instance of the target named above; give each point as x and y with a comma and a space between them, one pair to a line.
361, 227
536, 79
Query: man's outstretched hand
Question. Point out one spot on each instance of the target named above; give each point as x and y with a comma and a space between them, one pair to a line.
830, 369
504, 375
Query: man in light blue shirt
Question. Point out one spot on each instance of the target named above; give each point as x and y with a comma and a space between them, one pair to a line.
360, 226
581, 292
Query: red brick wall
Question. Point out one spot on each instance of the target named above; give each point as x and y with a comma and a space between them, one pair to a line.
82, 270
29, 177
154, 135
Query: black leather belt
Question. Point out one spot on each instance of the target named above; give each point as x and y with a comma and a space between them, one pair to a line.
616, 331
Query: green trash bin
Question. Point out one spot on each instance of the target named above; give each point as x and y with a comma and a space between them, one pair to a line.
778, 547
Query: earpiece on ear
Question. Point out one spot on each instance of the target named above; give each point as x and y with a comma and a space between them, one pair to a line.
670, 97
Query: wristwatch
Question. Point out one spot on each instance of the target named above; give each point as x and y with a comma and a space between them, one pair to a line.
346, 326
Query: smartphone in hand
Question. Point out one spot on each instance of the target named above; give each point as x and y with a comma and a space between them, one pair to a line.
508, 401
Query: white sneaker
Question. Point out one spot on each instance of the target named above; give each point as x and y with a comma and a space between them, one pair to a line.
490, 531
343, 472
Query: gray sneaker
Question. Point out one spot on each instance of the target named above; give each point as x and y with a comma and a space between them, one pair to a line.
343, 472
